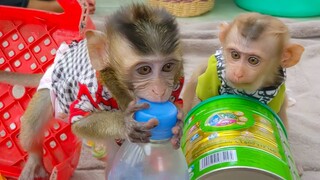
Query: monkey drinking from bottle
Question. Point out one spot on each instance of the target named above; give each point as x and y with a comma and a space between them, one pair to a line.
96, 83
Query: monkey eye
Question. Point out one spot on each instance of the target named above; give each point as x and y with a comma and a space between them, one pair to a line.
235, 54
168, 67
253, 60
144, 70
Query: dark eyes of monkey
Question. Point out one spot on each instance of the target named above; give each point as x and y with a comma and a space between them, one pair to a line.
144, 70
252, 59
168, 67
235, 54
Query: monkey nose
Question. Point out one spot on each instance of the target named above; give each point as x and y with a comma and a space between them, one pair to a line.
238, 75
158, 93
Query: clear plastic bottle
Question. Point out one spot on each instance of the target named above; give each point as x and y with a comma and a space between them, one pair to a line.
156, 160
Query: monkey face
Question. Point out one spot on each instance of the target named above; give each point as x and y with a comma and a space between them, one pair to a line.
247, 67
153, 78
138, 54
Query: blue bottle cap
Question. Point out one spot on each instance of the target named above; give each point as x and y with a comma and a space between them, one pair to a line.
165, 113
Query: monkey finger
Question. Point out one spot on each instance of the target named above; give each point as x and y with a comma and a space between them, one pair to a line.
131, 105
132, 108
140, 140
178, 134
139, 137
130, 123
178, 127
150, 124
176, 130
138, 132
146, 126
180, 123
180, 115
175, 142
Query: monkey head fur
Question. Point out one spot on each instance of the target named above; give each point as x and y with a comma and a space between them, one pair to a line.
138, 54
255, 48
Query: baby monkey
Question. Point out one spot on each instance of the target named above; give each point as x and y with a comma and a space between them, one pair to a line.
255, 53
97, 81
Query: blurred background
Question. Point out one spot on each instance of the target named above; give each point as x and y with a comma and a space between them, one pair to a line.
221, 10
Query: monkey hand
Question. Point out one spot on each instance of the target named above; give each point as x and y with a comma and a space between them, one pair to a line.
177, 130
138, 132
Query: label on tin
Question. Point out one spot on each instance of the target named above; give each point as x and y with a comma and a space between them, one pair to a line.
236, 137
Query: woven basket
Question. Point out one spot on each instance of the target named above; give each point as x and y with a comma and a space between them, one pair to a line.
184, 8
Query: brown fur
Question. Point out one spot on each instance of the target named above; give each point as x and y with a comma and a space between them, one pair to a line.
138, 31
119, 90
33, 123
133, 33
251, 31
23, 79
254, 27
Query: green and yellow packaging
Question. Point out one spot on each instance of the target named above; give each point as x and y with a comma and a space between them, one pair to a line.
232, 136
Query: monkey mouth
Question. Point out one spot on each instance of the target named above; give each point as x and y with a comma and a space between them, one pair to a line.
247, 87
234, 83
237, 81
157, 99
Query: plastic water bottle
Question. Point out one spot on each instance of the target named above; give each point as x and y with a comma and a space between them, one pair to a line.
156, 160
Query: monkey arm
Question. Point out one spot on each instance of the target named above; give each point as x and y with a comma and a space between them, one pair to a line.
95, 121
101, 125
114, 124
177, 130
23, 79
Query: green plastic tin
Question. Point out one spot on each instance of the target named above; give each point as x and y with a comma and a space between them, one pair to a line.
284, 8
235, 137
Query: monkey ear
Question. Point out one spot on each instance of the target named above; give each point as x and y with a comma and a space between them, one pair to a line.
97, 48
291, 55
224, 28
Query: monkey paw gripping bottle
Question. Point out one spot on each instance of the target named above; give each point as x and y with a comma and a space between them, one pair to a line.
156, 160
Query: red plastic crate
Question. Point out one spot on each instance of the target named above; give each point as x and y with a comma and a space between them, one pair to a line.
29, 40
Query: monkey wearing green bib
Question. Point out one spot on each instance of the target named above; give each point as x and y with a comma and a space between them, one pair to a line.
252, 62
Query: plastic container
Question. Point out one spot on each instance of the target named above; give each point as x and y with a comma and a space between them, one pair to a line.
156, 160
235, 137
285, 8
28, 43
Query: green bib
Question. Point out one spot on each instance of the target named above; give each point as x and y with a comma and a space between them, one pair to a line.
209, 85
